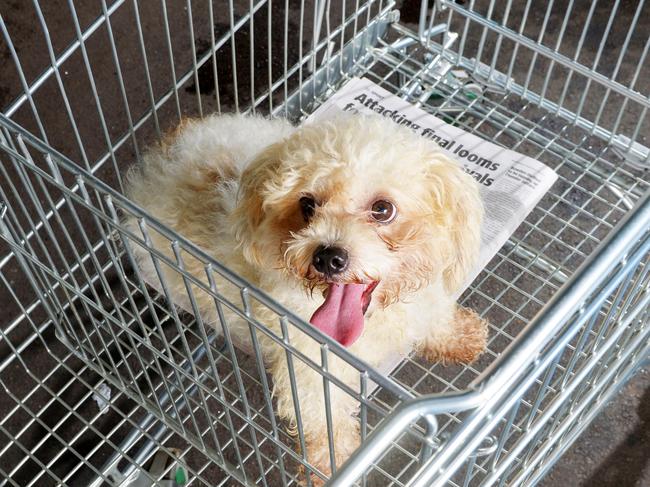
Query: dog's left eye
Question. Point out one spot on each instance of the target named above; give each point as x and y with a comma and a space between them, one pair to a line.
308, 207
383, 211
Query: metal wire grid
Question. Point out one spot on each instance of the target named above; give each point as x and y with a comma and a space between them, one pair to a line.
171, 86
72, 462
559, 69
72, 452
591, 187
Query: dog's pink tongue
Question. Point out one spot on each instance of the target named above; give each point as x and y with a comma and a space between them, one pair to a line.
341, 315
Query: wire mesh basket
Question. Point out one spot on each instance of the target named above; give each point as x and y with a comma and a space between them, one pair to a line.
108, 382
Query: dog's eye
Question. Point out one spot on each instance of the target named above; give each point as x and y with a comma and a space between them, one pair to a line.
307, 206
383, 211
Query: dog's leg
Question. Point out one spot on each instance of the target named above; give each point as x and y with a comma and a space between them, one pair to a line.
462, 341
346, 439
311, 394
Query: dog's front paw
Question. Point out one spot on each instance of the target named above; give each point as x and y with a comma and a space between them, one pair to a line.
346, 441
464, 344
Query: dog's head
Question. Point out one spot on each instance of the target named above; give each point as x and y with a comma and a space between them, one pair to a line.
363, 210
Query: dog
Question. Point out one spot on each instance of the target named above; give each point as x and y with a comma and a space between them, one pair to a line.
358, 225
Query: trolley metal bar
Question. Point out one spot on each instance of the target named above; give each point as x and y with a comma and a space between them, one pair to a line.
468, 436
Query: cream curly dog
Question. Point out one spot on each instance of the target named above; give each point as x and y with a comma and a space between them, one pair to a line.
358, 225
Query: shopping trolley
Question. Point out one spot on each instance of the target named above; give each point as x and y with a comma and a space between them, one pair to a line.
106, 381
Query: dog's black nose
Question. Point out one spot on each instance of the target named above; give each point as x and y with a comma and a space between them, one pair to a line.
330, 260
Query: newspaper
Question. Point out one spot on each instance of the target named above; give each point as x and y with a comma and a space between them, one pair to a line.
511, 184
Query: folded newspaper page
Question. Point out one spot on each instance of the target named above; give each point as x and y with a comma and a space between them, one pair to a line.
511, 184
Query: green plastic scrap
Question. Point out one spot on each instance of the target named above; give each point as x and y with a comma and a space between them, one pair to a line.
180, 477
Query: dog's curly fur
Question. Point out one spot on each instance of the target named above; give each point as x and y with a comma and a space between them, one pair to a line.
232, 185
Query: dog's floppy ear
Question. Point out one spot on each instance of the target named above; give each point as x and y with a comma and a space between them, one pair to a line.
459, 209
255, 184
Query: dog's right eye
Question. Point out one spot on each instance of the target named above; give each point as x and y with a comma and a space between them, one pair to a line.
307, 206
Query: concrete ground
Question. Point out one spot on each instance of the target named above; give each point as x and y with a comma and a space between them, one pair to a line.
614, 449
